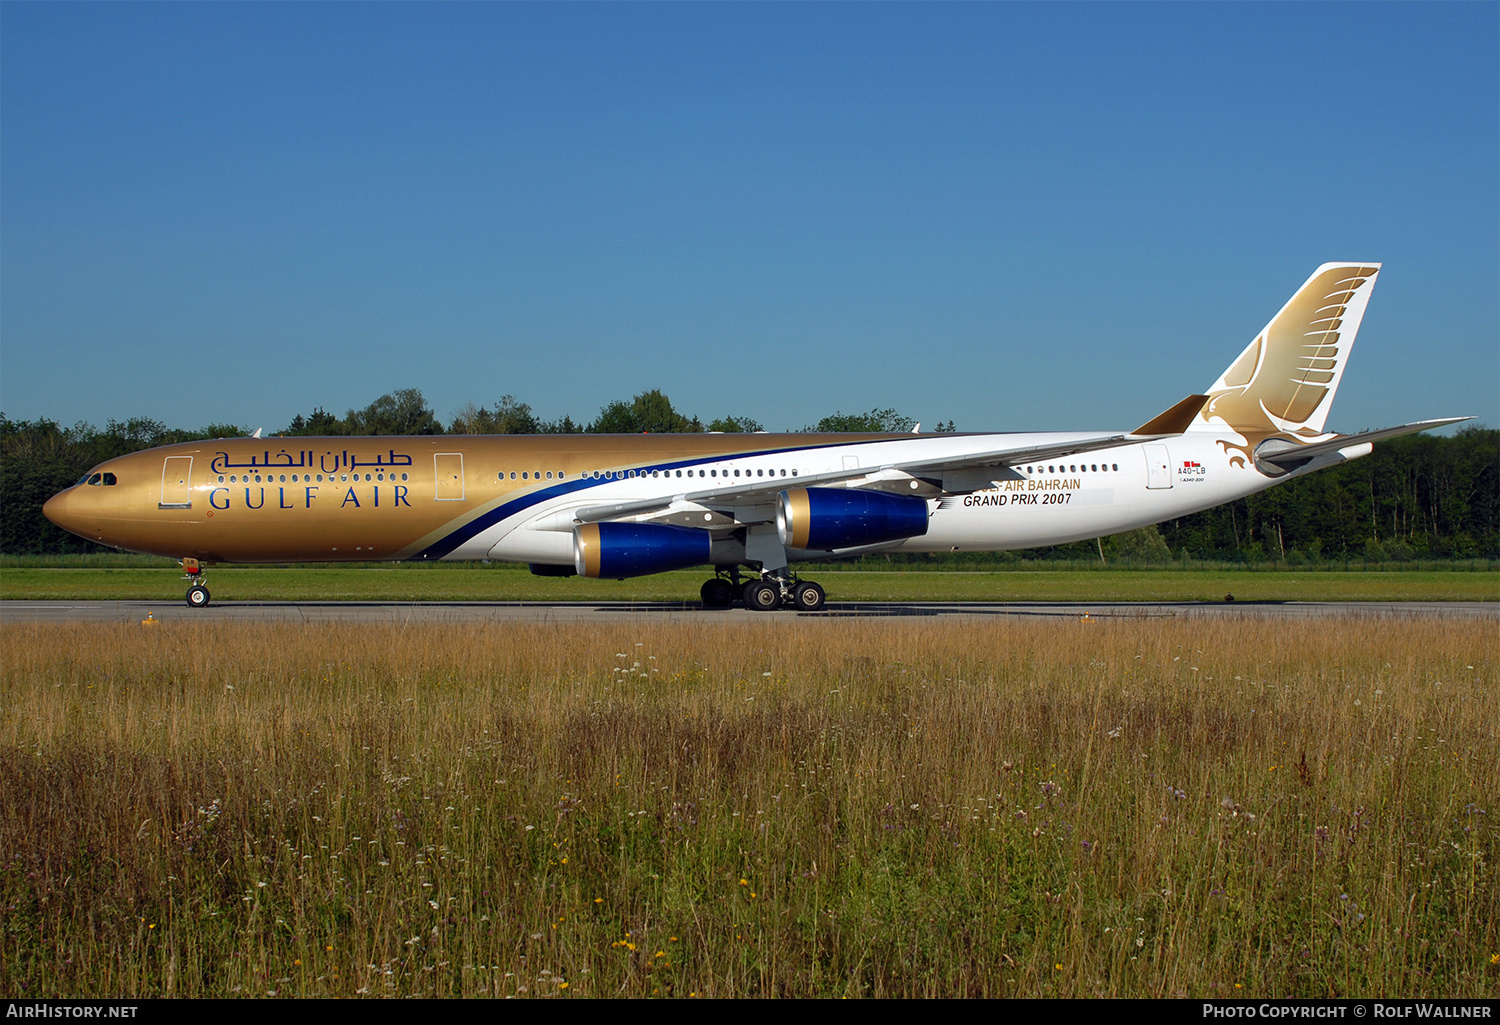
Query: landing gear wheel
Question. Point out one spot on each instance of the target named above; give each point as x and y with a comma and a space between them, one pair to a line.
197, 596
809, 597
762, 595
716, 593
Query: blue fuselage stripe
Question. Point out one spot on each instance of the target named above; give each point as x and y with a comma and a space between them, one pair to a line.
466, 532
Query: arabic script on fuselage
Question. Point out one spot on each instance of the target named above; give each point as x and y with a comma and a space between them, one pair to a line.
310, 459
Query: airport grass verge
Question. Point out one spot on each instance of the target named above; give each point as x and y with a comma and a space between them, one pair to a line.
460, 582
1079, 808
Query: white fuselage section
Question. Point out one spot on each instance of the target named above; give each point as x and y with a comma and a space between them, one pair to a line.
1028, 505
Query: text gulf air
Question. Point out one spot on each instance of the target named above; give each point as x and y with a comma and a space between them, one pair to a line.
304, 497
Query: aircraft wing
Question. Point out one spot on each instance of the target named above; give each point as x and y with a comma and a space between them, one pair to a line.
1168, 424
747, 493
1006, 457
972, 471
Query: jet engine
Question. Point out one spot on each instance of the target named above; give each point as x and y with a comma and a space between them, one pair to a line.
617, 550
829, 518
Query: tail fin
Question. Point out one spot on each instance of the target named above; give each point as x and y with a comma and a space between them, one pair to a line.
1283, 383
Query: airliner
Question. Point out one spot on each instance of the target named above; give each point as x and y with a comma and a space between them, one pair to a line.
751, 506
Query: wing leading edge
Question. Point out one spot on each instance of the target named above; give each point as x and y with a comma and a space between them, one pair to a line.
971, 471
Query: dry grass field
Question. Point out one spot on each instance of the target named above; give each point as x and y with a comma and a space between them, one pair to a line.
1252, 807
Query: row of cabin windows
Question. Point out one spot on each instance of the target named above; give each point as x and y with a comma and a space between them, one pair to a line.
622, 474
333, 478
1080, 468
108, 479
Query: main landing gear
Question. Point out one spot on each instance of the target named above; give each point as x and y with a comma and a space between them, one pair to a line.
197, 594
808, 597
763, 594
717, 593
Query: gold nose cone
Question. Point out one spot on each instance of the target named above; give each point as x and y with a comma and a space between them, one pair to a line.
68, 509
56, 509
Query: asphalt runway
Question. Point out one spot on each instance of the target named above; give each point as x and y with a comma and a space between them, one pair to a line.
16, 612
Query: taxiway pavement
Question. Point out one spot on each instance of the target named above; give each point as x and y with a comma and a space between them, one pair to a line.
16, 612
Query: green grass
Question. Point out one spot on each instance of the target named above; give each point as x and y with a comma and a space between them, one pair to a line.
464, 583
1158, 808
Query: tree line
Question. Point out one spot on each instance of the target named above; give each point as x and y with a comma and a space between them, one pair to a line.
406, 412
1418, 497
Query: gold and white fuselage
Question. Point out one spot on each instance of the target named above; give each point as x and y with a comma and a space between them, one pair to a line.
516, 498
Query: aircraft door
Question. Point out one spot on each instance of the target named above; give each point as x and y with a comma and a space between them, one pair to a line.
1158, 466
449, 469
176, 491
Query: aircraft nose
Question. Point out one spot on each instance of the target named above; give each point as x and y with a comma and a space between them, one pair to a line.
56, 509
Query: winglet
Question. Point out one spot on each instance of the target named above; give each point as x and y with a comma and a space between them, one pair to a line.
1174, 420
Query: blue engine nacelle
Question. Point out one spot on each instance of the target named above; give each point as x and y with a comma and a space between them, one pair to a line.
618, 550
829, 518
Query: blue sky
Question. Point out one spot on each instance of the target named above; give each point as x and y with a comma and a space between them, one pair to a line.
1055, 216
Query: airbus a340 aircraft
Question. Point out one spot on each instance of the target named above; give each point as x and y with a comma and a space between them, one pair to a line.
626, 505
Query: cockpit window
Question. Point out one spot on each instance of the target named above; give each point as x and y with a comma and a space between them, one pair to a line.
97, 478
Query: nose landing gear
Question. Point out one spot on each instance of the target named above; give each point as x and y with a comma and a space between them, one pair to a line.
197, 593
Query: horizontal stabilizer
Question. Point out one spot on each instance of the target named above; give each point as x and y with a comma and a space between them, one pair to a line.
1291, 454
1174, 420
